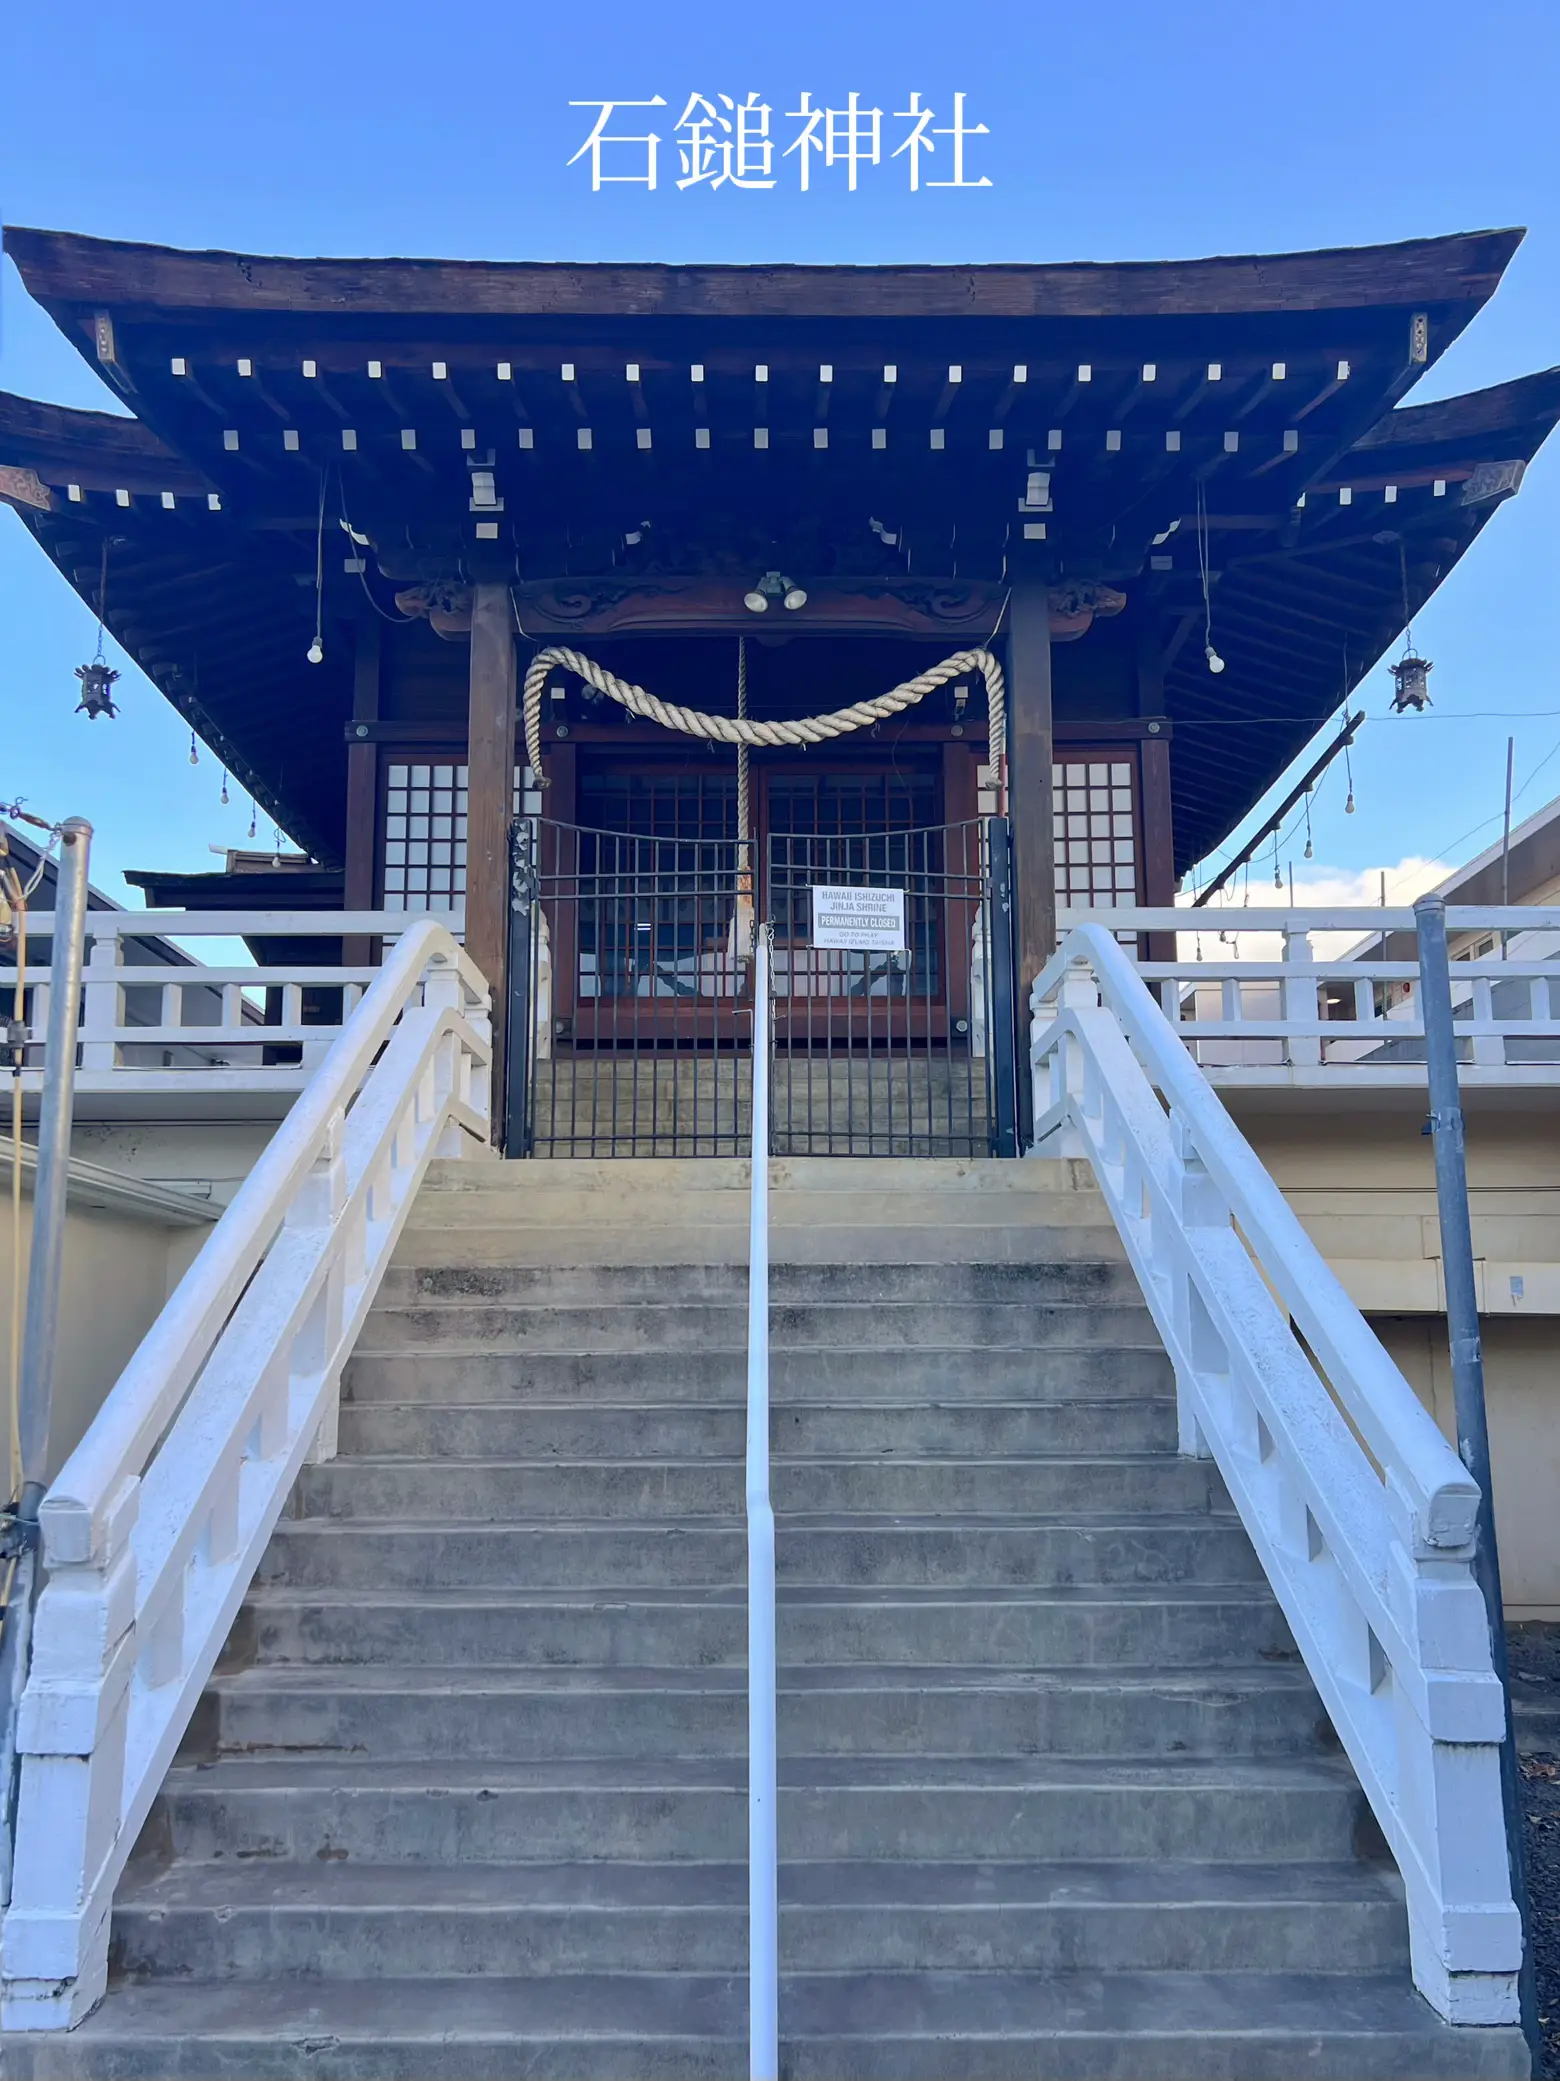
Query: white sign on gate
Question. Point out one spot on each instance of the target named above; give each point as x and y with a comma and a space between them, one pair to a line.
866, 921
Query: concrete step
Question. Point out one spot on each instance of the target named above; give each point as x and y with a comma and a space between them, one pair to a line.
946, 1552
440, 1491
395, 1921
692, 2027
1181, 1628
719, 1372
261, 1811
691, 1326
386, 1711
828, 1231
608, 1181
1078, 1280
692, 1430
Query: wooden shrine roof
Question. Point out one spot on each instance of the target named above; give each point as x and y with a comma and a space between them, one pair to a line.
849, 425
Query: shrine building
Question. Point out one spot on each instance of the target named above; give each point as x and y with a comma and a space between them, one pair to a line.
1166, 515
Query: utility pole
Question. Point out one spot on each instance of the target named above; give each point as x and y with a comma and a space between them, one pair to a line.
35, 1387
1462, 1325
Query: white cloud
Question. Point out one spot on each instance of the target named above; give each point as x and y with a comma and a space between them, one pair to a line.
1316, 888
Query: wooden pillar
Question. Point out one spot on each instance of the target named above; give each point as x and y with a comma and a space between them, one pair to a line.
1158, 872
490, 764
1030, 751
362, 788
1158, 834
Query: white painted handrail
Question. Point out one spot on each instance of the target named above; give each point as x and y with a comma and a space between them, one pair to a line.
763, 1832
1362, 1514
153, 1529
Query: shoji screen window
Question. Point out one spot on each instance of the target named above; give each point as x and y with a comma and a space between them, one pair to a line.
424, 850
1096, 825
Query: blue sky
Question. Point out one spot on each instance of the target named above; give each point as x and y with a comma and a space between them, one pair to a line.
1143, 131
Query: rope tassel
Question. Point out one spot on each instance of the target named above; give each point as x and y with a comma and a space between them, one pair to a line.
741, 730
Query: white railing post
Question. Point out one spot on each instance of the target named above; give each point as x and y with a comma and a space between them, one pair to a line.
1194, 1202
1302, 1008
71, 1740
317, 1208
101, 1007
1489, 1049
1462, 1923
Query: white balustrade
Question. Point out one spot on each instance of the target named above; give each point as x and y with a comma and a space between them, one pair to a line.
1288, 1016
1363, 1516
154, 1527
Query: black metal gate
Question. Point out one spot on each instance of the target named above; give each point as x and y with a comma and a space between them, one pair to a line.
884, 1051
630, 1020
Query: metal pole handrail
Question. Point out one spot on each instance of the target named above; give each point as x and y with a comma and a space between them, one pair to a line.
763, 1846
1467, 1356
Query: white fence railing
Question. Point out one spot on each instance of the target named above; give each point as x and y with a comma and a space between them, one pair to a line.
149, 1024
1362, 1514
763, 1819
155, 1526
1257, 1003
1253, 994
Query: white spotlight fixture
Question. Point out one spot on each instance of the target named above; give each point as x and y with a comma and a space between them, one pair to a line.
774, 585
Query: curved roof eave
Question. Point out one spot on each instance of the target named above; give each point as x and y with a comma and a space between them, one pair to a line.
69, 269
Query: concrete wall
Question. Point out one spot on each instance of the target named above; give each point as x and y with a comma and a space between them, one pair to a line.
119, 1268
1362, 1181
208, 1159
1522, 1395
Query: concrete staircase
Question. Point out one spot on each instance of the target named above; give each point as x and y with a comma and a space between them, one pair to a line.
467, 1796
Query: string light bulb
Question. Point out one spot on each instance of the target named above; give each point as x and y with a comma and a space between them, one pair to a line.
224, 788
1215, 662
194, 753
316, 650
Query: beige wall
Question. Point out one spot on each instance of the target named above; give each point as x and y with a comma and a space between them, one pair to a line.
1363, 1182
119, 1268
1522, 1397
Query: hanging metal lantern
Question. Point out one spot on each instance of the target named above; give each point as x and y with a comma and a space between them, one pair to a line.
96, 699
1410, 676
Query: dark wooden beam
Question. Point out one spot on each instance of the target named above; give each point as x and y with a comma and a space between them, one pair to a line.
1030, 749
362, 783
490, 761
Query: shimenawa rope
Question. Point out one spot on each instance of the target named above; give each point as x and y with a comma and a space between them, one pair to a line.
741, 730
